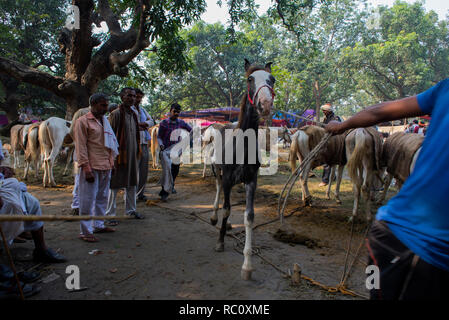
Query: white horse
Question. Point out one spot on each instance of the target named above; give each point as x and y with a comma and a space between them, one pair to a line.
51, 138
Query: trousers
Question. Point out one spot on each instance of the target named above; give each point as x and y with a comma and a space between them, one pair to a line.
93, 199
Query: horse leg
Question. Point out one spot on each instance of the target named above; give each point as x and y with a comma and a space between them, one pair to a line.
226, 213
331, 177
338, 182
306, 197
387, 182
247, 267
69, 160
367, 192
36, 165
214, 216
27, 167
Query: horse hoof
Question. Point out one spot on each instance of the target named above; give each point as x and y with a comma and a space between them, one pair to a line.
308, 202
219, 247
246, 274
338, 201
213, 221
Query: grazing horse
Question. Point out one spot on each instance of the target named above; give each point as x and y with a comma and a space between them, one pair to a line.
52, 133
243, 166
399, 154
333, 154
364, 152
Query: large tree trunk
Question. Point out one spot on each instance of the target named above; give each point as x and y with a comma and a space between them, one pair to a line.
78, 101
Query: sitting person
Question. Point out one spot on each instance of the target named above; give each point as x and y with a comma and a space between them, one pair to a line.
14, 199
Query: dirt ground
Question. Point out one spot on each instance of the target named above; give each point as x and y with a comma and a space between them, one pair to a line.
170, 254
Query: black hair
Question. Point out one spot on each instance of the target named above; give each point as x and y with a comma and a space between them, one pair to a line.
175, 106
122, 92
138, 91
97, 97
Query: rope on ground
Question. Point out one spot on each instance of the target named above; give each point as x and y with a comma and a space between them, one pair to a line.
256, 251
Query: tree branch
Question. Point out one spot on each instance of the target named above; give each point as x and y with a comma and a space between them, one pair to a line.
24, 73
109, 17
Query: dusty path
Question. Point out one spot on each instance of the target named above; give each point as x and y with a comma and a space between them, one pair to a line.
170, 255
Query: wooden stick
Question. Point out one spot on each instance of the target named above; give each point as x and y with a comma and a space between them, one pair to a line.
11, 262
4, 218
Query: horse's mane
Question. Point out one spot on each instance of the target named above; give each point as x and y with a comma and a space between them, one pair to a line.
251, 69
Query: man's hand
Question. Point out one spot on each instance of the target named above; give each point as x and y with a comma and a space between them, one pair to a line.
89, 175
143, 126
335, 127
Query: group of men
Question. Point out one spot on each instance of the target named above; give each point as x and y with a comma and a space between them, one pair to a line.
112, 154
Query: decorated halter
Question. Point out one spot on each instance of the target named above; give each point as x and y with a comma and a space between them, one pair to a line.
273, 94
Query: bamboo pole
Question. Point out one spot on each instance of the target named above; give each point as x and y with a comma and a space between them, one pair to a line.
5, 218
304, 118
11, 262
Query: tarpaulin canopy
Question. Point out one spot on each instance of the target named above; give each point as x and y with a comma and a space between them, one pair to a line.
228, 114
280, 118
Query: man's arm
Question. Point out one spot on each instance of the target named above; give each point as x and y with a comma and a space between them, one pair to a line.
385, 111
81, 149
160, 135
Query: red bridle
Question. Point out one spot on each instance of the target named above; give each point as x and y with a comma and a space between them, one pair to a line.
273, 94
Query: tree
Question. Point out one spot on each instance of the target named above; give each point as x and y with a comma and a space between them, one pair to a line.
319, 32
27, 35
216, 77
404, 53
133, 26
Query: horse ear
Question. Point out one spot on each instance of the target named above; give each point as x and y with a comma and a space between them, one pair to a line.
268, 67
247, 64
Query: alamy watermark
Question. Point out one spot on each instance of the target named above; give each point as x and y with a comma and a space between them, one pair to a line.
262, 146
73, 18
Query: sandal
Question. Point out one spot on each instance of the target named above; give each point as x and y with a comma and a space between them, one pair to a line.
111, 223
104, 230
88, 237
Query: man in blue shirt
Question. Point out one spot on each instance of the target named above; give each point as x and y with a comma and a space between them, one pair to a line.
409, 241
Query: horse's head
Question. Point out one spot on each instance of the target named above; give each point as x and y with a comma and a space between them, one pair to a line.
260, 84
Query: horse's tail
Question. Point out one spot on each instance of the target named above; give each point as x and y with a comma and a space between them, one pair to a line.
355, 161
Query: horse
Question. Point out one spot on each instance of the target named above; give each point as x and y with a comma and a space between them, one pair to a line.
303, 142
154, 145
364, 152
399, 154
243, 166
32, 150
16, 143
52, 133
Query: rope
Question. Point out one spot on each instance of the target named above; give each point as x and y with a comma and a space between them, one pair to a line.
294, 176
256, 251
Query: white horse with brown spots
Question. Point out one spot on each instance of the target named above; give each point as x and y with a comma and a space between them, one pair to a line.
333, 154
399, 154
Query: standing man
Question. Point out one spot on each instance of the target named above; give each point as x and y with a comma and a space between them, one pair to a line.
76, 172
125, 125
96, 148
409, 240
329, 115
169, 170
145, 122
